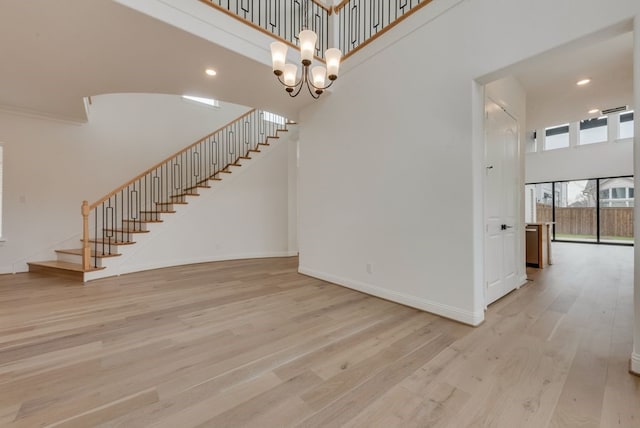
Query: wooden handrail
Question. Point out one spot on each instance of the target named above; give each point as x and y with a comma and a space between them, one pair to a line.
159, 164
339, 6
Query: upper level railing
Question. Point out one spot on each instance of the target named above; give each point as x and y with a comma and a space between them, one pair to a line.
281, 18
353, 23
361, 21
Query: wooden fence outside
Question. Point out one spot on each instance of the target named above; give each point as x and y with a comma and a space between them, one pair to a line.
616, 221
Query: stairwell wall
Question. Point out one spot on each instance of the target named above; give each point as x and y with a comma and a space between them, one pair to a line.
389, 161
51, 166
244, 216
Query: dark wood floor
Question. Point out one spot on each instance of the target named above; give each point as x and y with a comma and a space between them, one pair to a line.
253, 343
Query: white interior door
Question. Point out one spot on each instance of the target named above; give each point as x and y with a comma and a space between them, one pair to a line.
501, 199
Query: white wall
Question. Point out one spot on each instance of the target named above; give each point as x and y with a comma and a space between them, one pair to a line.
50, 166
611, 159
389, 162
246, 215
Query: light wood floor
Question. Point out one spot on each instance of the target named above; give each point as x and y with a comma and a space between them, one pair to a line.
253, 343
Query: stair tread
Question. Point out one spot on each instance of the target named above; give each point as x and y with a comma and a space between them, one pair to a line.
110, 242
78, 252
56, 264
159, 212
142, 221
179, 195
172, 203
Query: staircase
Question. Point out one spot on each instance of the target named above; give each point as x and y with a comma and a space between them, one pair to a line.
113, 223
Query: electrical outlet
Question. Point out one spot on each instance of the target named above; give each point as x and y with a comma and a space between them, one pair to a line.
369, 268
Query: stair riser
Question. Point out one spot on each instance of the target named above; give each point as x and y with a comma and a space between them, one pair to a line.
57, 272
133, 226
169, 207
74, 258
182, 198
150, 216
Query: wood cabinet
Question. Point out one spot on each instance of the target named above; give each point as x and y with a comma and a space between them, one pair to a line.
538, 239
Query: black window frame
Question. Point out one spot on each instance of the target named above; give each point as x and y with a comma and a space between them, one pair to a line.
598, 241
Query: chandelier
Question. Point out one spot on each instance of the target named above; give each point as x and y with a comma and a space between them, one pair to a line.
314, 79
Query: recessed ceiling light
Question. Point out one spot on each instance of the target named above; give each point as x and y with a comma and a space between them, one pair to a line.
583, 82
594, 111
210, 72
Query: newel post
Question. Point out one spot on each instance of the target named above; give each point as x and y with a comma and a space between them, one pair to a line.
86, 251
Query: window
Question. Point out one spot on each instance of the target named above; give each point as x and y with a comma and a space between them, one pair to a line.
626, 125
575, 211
274, 118
557, 137
598, 210
616, 213
618, 193
206, 101
593, 130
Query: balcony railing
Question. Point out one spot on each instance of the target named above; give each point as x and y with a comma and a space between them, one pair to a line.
357, 22
361, 21
280, 18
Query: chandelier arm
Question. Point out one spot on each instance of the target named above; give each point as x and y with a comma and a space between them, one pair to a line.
287, 86
312, 92
309, 83
299, 85
322, 89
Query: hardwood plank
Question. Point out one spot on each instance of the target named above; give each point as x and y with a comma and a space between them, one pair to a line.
253, 343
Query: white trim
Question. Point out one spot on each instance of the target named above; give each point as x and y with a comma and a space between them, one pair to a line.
466, 317
4, 270
635, 363
523, 281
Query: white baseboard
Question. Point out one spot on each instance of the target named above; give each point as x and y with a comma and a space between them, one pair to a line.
457, 314
6, 270
635, 363
522, 281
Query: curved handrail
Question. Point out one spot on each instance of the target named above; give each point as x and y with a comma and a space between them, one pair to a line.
159, 164
112, 219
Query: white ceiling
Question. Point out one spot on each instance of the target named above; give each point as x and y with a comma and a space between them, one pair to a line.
54, 53
550, 80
